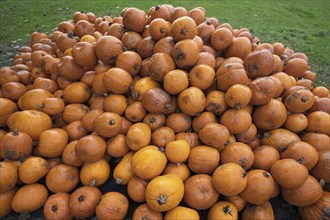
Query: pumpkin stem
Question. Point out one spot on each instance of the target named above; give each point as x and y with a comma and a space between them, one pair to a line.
266, 174
167, 105
304, 99
284, 148
244, 174
135, 95
266, 135
152, 120
145, 218
227, 142
105, 94
178, 164
237, 106
162, 30
227, 210
181, 56
161, 149
161, 199
81, 198
301, 160
92, 182
54, 208
119, 181
157, 7
35, 143
112, 122
15, 133
208, 22
322, 182
70, 35
183, 31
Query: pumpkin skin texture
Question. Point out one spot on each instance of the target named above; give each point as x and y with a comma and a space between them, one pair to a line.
318, 210
29, 198
33, 169
164, 192
107, 124
259, 63
57, 207
199, 192
144, 212
136, 188
259, 188
238, 153
223, 210
237, 121
83, 201
279, 138
52, 142
15, 145
264, 211
7, 108
237, 201
191, 101
181, 212
214, 134
318, 122
264, 157
229, 179
150, 159
31, 122
289, 173
305, 195
138, 136
62, 178
8, 176
113, 205
95, 174
177, 151
321, 169
180, 169
203, 159
90, 148
6, 199
123, 171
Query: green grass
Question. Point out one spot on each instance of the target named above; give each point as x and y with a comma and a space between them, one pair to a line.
302, 25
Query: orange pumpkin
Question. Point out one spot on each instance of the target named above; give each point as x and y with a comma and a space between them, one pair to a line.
234, 176
199, 192
136, 188
181, 212
83, 201
223, 210
144, 212
238, 202
317, 210
237, 121
183, 28
164, 192
15, 145
6, 199
154, 160
264, 211
239, 153
8, 176
180, 169
57, 207
177, 151
95, 174
185, 54
108, 124
29, 198
191, 101
259, 188
33, 169
90, 148
264, 157
113, 205
138, 136
279, 138
62, 178
203, 159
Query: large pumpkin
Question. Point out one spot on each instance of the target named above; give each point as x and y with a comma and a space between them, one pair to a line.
57, 207
223, 210
113, 205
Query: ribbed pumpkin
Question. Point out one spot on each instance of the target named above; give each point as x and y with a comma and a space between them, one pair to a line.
136, 188
259, 188
156, 101
237, 121
6, 199
180, 169
154, 162
138, 136
164, 192
15, 145
62, 178
181, 212
95, 174
238, 153
199, 192
264, 211
191, 101
113, 205
322, 168
117, 80
305, 195
8, 176
183, 28
234, 176
279, 138
33, 169
107, 49
90, 148
259, 63
203, 159
57, 207
144, 212
264, 157
318, 210
223, 210
185, 54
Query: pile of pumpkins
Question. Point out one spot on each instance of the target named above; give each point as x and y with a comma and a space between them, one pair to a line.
201, 116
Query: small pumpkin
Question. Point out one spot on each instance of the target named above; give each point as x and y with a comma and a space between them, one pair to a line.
183, 28
318, 210
185, 54
307, 194
264, 211
6, 199
237, 201
144, 212
116, 147
264, 157
223, 210
33, 169
201, 76
29, 198
57, 207
69, 155
8, 175
138, 136
123, 170
83, 201
191, 101
296, 122
96, 173
203, 159
175, 81
62, 178
154, 161
319, 141
279, 138
229, 179
239, 153
156, 101
259, 188
136, 188
90, 148
180, 169
236, 121
113, 205
199, 192
108, 124
321, 169
318, 122
15, 145
181, 212
164, 192
162, 136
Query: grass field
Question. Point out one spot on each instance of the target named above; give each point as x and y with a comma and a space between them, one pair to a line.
304, 26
